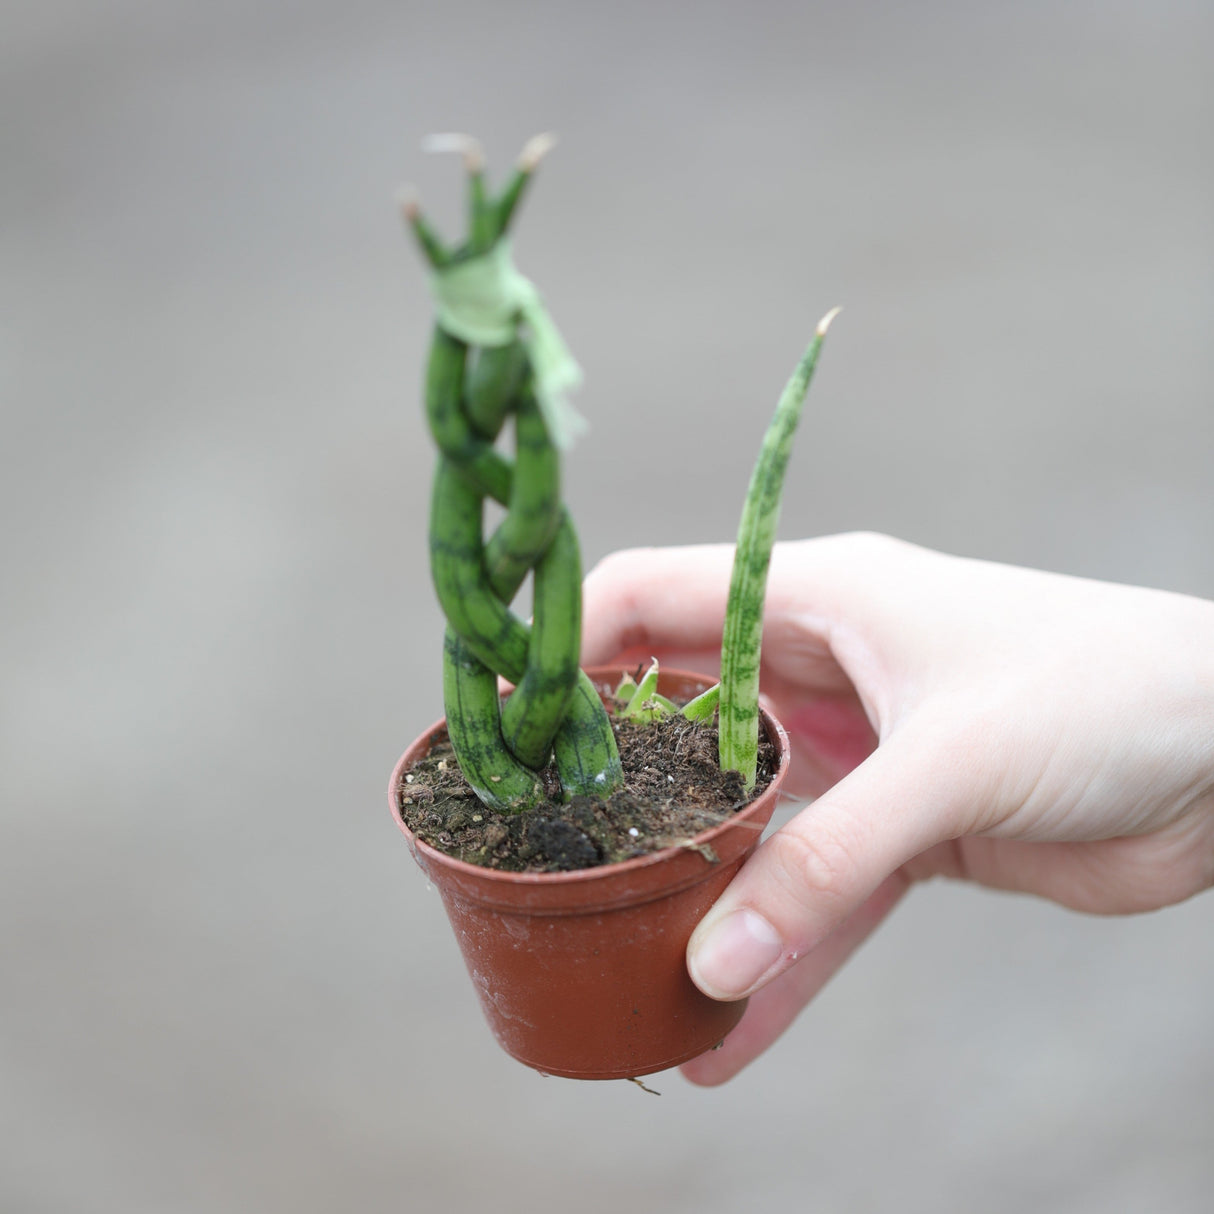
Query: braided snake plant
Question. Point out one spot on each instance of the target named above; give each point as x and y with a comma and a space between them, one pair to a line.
496, 357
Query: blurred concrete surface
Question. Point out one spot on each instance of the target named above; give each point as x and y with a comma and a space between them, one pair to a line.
226, 988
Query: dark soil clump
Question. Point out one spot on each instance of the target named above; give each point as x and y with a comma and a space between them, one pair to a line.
673, 791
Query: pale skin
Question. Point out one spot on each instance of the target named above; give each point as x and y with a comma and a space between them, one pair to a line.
1022, 730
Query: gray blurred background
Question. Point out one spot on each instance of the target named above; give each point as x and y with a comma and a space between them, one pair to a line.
226, 986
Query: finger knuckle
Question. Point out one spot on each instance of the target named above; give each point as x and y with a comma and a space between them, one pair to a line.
816, 866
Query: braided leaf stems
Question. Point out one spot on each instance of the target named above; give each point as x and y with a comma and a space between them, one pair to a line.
495, 356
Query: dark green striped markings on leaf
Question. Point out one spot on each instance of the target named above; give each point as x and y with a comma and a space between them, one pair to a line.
481, 375
741, 641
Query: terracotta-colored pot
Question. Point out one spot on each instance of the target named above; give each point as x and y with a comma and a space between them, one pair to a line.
582, 974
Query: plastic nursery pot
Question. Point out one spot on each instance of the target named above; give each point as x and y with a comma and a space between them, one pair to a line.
582, 974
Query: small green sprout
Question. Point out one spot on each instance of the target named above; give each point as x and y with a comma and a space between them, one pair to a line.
704, 705
625, 690
641, 702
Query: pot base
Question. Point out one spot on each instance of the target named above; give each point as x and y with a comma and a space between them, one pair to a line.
625, 1074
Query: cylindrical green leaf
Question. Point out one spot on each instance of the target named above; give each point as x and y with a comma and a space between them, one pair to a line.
741, 642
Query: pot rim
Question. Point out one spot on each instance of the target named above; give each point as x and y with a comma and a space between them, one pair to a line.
426, 853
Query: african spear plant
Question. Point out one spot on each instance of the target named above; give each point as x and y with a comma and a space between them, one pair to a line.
495, 356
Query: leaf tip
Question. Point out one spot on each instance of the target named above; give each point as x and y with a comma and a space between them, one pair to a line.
468, 146
409, 201
534, 150
825, 322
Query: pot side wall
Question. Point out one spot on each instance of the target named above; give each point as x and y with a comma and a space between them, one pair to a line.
583, 974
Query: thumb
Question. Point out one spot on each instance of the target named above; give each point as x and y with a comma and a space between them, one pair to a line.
811, 875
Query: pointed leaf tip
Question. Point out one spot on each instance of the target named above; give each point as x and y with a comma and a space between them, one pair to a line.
535, 149
409, 202
825, 322
468, 146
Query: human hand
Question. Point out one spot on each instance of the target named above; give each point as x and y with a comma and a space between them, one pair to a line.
1023, 730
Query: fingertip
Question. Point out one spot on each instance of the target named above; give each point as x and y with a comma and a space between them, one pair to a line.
773, 1009
705, 1071
729, 956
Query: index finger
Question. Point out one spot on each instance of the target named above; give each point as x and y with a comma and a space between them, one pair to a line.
656, 599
